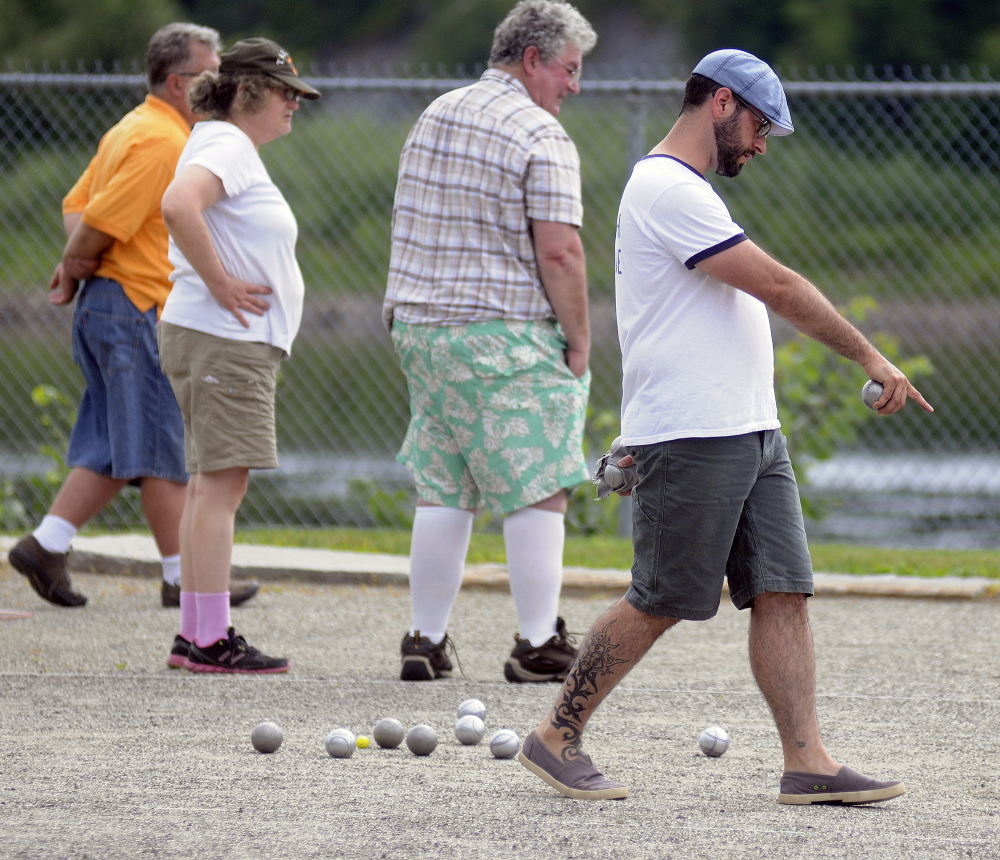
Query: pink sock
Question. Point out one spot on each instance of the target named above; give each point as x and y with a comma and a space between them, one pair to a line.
213, 618
189, 616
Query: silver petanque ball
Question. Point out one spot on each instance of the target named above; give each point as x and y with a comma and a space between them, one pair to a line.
714, 741
389, 733
614, 477
473, 707
341, 743
266, 737
871, 392
421, 740
470, 730
505, 744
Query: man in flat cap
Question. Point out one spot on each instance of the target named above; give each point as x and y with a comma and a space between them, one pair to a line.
716, 496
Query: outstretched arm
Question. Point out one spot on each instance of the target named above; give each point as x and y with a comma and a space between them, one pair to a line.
797, 300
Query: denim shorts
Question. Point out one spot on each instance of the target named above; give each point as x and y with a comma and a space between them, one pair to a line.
226, 390
708, 509
128, 424
496, 415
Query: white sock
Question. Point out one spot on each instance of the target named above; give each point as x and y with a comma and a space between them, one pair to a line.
534, 542
55, 534
438, 547
171, 569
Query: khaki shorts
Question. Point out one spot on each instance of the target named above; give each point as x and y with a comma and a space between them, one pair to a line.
496, 416
225, 389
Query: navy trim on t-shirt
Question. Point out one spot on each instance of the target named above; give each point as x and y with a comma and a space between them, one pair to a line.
715, 249
673, 158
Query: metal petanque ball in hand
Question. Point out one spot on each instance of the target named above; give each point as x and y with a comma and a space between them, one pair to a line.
714, 741
505, 744
389, 733
341, 743
422, 740
474, 707
871, 392
266, 737
470, 730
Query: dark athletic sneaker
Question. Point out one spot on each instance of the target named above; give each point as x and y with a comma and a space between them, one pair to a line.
423, 660
46, 571
579, 779
848, 786
239, 592
179, 653
233, 655
550, 661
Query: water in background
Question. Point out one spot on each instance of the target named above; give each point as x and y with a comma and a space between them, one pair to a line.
895, 500
908, 500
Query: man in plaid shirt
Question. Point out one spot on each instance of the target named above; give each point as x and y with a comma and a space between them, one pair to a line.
487, 306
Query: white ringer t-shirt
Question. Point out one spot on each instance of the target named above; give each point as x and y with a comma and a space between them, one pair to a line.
254, 233
697, 355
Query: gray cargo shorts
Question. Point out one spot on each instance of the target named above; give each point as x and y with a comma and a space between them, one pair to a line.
708, 509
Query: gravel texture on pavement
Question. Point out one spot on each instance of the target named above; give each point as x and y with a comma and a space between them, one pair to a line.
106, 753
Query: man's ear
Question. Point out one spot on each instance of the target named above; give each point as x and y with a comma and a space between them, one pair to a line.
175, 86
531, 60
724, 103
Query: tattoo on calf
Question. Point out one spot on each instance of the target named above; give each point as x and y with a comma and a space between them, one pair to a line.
596, 659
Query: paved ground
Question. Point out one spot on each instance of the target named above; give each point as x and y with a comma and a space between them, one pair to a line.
106, 753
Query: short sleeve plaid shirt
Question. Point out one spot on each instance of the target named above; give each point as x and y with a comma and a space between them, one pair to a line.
480, 164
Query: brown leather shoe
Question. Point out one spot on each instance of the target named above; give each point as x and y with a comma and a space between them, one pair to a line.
239, 592
46, 571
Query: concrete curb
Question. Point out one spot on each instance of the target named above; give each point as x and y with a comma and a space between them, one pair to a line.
136, 555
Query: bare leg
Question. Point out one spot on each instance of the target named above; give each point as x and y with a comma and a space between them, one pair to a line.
207, 527
184, 534
163, 504
616, 642
559, 503
784, 665
84, 495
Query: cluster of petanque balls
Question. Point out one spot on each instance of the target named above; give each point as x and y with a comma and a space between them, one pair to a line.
389, 733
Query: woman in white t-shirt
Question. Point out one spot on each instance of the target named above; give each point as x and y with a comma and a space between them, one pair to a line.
229, 321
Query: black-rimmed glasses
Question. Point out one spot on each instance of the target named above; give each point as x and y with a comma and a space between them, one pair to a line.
764, 127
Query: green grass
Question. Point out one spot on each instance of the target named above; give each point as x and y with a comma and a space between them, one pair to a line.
597, 552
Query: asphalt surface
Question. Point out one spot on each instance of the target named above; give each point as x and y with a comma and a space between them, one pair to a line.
106, 753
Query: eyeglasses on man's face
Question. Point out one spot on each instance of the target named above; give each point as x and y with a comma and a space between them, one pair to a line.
289, 94
764, 124
574, 72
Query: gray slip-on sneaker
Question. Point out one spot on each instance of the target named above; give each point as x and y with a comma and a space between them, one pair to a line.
579, 779
847, 786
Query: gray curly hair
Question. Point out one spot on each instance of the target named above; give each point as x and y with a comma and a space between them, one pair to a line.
549, 25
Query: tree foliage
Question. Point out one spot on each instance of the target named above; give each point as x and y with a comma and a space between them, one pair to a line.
55, 31
843, 32
802, 33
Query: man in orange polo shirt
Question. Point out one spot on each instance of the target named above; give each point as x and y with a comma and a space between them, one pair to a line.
128, 427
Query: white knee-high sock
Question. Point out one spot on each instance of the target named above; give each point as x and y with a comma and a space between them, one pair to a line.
438, 546
534, 541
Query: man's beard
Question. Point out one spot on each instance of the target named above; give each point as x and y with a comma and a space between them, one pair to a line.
728, 146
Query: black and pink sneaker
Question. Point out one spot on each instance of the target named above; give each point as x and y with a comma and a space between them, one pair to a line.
179, 653
235, 656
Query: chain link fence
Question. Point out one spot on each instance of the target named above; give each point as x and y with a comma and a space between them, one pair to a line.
888, 190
